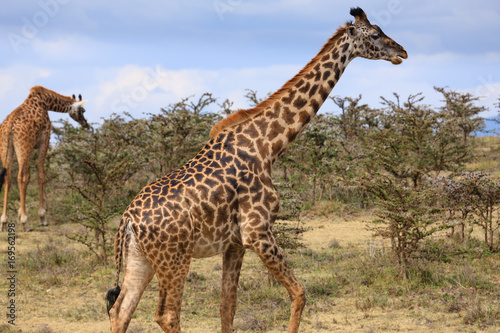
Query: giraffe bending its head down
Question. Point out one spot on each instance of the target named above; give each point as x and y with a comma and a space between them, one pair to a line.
223, 200
27, 127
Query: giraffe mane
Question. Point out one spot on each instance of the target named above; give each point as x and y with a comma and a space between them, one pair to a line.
240, 116
43, 90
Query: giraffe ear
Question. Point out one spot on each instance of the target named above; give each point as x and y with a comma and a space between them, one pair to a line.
359, 15
352, 30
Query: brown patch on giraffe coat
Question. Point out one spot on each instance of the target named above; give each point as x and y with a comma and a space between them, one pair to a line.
314, 105
262, 125
300, 102
326, 75
304, 117
243, 141
305, 88
276, 129
277, 146
288, 115
328, 64
323, 92
291, 134
312, 92
317, 76
251, 131
263, 147
290, 97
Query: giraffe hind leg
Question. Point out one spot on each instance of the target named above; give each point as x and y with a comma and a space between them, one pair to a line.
138, 275
231, 267
171, 279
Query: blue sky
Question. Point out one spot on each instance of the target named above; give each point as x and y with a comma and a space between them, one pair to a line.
140, 56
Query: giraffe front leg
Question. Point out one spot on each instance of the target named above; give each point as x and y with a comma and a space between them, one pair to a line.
231, 267
8, 183
267, 249
7, 163
42, 152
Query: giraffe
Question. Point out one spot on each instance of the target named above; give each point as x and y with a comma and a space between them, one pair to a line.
223, 201
27, 127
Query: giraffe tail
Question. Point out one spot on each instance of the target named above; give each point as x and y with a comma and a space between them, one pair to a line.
2, 177
112, 294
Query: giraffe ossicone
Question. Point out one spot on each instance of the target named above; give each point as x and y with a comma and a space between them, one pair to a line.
24, 129
223, 200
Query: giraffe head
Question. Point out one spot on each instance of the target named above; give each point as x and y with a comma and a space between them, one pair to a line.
370, 42
76, 112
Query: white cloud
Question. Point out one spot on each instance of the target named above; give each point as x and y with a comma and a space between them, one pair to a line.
140, 90
15, 83
136, 89
182, 83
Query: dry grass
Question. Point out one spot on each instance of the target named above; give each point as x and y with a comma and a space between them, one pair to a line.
350, 283
487, 156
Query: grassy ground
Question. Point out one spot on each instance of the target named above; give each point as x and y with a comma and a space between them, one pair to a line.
351, 282
351, 287
487, 156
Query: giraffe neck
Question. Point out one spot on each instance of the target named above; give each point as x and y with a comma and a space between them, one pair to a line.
288, 111
50, 100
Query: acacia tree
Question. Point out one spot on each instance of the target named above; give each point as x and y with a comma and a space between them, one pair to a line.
98, 165
411, 144
462, 111
456, 201
406, 215
179, 131
474, 197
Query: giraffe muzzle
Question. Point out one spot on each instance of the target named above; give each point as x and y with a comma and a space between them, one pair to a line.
398, 59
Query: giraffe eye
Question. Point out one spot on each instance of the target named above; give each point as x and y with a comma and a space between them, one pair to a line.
375, 36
